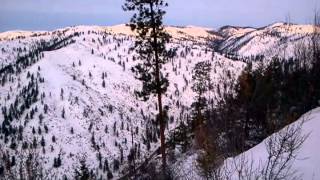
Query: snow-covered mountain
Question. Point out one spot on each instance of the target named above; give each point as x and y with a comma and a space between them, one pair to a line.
69, 93
82, 88
279, 39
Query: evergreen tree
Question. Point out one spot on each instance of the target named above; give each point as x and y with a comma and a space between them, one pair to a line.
109, 175
57, 162
208, 158
201, 78
13, 161
83, 172
42, 142
106, 165
150, 44
63, 113
116, 164
53, 139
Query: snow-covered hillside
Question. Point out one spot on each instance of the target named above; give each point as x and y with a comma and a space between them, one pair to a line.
83, 104
69, 94
278, 39
306, 165
191, 33
252, 164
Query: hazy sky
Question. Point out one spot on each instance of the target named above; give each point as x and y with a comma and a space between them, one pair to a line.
52, 14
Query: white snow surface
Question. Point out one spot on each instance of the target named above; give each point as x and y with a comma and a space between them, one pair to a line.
307, 163
99, 50
87, 103
306, 166
199, 34
278, 39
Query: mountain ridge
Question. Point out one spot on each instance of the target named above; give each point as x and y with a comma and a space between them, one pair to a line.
82, 90
14, 33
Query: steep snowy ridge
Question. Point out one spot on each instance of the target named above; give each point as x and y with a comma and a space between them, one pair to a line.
307, 163
198, 34
192, 32
84, 106
228, 31
15, 40
250, 164
83, 102
242, 41
278, 39
14, 34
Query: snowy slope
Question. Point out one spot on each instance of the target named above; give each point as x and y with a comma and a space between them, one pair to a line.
73, 83
191, 33
15, 34
307, 163
305, 166
234, 32
278, 39
100, 120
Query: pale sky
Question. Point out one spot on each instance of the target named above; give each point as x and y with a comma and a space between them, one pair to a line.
53, 14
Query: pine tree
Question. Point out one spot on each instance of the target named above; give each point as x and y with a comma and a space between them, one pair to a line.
106, 165
45, 108
83, 172
63, 113
46, 128
53, 139
150, 44
57, 162
34, 143
201, 78
13, 161
42, 142
109, 175
245, 92
116, 164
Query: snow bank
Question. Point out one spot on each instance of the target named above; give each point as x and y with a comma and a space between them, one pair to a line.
307, 163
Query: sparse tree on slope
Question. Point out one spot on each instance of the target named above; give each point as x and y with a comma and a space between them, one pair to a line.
150, 44
208, 160
83, 172
201, 78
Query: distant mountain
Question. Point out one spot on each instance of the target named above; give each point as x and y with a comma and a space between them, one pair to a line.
278, 39
68, 94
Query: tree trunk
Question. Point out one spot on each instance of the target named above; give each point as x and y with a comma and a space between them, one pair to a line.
162, 137
159, 93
